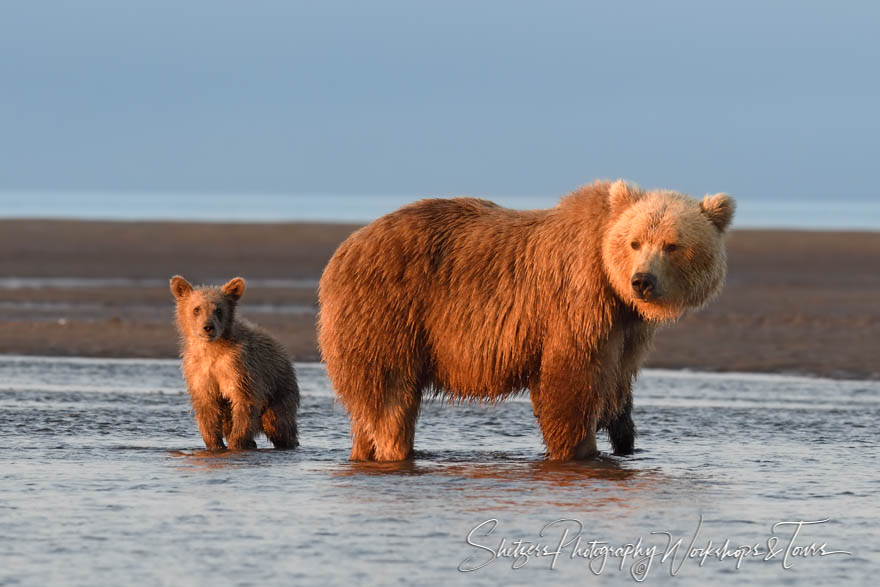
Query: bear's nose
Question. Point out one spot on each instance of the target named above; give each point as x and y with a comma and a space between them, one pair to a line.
644, 284
209, 328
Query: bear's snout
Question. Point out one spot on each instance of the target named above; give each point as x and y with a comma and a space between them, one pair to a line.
644, 285
209, 329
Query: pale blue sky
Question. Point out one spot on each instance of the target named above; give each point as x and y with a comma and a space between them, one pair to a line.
765, 100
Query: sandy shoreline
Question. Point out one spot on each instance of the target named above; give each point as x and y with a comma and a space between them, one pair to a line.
796, 301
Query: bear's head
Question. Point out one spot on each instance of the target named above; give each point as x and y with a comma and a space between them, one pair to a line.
663, 251
206, 313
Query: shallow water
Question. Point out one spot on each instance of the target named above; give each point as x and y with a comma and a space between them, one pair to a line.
103, 482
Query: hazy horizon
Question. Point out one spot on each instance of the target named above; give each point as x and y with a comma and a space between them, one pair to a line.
768, 102
832, 215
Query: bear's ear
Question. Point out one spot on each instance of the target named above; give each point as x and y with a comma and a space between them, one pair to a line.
180, 287
234, 288
621, 196
719, 209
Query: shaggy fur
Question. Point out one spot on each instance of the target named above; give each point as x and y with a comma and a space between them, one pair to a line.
471, 301
240, 378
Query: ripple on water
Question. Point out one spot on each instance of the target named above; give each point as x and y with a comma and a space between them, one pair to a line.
104, 479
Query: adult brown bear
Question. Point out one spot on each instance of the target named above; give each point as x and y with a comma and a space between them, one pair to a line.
472, 301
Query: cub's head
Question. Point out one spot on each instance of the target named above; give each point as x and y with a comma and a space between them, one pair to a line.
663, 251
206, 313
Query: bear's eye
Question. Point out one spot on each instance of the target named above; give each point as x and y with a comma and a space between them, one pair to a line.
219, 313
635, 245
670, 248
196, 310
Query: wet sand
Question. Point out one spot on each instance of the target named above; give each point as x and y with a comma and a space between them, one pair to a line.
795, 302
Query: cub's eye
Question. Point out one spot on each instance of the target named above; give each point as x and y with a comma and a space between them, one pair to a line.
670, 248
196, 310
219, 313
635, 245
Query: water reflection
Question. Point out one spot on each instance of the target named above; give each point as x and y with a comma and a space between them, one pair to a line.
505, 483
227, 459
497, 466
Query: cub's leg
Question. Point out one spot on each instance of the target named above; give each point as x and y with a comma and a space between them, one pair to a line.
245, 424
279, 421
226, 415
209, 417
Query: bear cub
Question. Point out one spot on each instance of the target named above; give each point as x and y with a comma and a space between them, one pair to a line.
241, 380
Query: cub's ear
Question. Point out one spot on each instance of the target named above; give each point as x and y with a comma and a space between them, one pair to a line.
234, 288
621, 196
719, 209
180, 287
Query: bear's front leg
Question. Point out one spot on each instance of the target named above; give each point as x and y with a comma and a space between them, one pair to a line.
585, 448
566, 409
245, 425
209, 417
622, 430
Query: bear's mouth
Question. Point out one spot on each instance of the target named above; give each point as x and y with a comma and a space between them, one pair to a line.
209, 335
646, 296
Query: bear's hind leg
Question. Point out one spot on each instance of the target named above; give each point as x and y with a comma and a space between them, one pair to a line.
535, 397
279, 426
395, 427
362, 448
279, 419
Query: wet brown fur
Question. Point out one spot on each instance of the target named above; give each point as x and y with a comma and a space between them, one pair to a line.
471, 301
240, 379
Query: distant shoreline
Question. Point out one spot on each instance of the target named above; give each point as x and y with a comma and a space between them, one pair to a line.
283, 223
796, 302
815, 214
